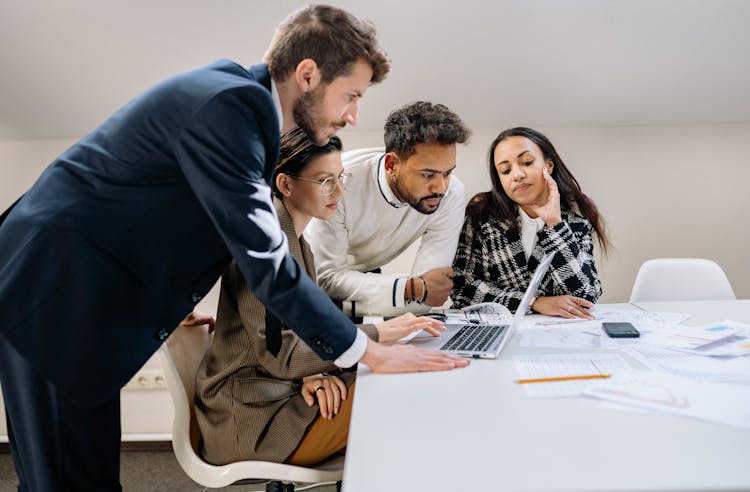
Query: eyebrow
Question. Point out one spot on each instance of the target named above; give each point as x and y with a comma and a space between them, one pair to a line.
428, 170
506, 162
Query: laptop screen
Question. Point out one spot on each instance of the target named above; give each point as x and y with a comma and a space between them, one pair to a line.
536, 280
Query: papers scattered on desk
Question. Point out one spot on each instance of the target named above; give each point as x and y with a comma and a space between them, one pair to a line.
690, 366
583, 335
734, 346
555, 332
644, 321
714, 402
558, 365
727, 338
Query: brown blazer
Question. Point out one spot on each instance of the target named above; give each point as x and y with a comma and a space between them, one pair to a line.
247, 402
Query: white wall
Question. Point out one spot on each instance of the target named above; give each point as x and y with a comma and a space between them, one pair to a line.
664, 191
22, 162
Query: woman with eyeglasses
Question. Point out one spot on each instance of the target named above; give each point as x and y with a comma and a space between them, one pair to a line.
535, 208
260, 392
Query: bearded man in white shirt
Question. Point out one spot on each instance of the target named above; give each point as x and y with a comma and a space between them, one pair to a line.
393, 197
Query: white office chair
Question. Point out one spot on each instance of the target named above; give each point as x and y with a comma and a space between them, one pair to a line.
181, 355
680, 279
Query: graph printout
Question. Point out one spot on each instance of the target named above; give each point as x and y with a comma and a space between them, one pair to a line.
560, 365
715, 402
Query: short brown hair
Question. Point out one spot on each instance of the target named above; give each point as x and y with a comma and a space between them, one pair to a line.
332, 37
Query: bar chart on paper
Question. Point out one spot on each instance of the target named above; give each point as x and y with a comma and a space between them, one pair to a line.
565, 365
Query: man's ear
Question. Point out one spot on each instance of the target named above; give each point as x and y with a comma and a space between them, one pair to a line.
284, 184
391, 162
307, 75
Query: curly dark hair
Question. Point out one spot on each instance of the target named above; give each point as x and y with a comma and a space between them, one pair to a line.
422, 122
332, 37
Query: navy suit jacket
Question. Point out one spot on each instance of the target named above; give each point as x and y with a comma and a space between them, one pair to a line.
125, 232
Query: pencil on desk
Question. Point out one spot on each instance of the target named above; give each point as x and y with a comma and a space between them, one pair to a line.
562, 378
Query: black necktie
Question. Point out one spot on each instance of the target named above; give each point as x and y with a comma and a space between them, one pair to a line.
273, 333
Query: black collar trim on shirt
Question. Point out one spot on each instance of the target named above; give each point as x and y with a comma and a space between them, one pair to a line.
377, 180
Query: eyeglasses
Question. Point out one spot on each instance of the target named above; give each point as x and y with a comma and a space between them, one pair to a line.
328, 185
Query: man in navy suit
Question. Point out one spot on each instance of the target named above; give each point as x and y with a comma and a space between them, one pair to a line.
125, 232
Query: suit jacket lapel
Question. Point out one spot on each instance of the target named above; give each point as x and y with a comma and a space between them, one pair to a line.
261, 75
536, 253
273, 324
291, 235
510, 240
299, 248
515, 249
301, 251
309, 260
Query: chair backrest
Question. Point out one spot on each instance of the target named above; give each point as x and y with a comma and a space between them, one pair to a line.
184, 351
681, 279
181, 356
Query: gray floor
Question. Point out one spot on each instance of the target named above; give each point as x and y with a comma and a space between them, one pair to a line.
144, 471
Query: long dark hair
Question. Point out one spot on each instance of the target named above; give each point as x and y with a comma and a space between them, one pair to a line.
497, 204
297, 151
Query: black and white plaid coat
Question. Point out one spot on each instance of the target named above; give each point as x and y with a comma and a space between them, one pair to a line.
491, 266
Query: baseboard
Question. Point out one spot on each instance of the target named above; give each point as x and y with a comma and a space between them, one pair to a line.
125, 447
146, 446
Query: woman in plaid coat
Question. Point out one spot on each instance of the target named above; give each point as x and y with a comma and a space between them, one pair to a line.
262, 400
535, 207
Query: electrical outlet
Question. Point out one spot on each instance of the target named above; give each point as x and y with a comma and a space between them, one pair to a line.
147, 379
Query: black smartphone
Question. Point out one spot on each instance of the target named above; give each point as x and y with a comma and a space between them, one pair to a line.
620, 330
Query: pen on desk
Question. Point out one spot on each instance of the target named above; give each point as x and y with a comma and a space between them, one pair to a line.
563, 378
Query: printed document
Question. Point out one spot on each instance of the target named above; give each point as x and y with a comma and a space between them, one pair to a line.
714, 402
559, 365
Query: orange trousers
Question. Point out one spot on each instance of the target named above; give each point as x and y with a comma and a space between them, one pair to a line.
325, 437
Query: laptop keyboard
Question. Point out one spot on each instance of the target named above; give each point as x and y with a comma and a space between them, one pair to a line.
474, 338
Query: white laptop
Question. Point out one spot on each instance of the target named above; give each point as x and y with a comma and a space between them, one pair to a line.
483, 340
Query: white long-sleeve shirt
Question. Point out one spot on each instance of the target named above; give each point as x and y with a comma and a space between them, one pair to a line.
372, 227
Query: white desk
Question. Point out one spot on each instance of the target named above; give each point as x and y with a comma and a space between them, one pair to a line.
474, 429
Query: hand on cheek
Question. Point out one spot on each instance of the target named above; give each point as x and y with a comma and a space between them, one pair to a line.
549, 208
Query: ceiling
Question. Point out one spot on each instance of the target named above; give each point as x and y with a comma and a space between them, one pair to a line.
65, 66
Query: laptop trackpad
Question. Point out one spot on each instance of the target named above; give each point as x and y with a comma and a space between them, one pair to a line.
417, 335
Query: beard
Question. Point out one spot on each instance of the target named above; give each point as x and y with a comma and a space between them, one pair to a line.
308, 114
417, 204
